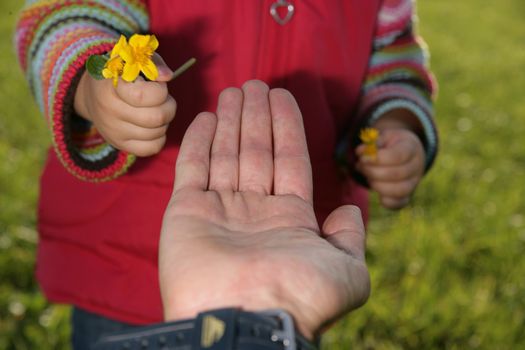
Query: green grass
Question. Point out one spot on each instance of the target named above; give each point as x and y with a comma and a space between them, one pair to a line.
27, 321
447, 272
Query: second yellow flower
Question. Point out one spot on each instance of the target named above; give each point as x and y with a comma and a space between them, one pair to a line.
137, 57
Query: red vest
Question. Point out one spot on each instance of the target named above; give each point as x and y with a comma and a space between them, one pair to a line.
98, 242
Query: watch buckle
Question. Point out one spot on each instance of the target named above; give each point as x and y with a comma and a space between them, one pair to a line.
286, 335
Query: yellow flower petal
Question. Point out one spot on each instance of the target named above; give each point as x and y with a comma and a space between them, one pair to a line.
135, 57
106, 73
131, 72
370, 151
113, 69
119, 46
138, 40
150, 70
369, 135
126, 53
153, 42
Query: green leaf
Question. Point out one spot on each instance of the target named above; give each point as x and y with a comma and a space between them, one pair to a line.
95, 64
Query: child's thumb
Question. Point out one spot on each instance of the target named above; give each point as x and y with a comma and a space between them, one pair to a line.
165, 72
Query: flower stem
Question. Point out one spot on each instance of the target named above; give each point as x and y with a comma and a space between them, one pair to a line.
183, 68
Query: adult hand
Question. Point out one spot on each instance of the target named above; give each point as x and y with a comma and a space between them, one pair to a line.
400, 162
240, 229
133, 117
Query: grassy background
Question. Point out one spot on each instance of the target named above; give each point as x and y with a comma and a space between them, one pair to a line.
447, 272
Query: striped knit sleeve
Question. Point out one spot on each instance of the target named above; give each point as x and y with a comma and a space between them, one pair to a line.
398, 75
53, 41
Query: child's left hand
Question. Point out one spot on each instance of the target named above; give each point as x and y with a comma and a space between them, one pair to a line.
397, 169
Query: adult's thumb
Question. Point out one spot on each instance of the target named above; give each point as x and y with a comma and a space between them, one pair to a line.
344, 229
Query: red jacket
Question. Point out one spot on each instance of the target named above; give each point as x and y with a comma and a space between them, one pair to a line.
99, 240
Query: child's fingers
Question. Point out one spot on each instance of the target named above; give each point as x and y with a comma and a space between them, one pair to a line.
165, 71
134, 139
399, 189
396, 154
144, 148
150, 117
394, 203
394, 147
131, 132
142, 93
391, 173
360, 150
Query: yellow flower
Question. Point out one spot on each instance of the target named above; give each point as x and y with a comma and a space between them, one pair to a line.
120, 46
115, 65
369, 137
113, 69
137, 57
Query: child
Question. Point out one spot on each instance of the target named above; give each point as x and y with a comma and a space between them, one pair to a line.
348, 63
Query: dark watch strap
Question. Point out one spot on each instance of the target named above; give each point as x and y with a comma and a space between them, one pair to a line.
223, 329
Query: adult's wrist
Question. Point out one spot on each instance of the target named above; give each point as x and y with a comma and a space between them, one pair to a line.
249, 302
299, 326
221, 329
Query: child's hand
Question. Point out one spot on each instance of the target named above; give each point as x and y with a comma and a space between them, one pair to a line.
133, 117
397, 169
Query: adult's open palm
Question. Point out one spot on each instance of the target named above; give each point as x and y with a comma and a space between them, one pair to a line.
240, 228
